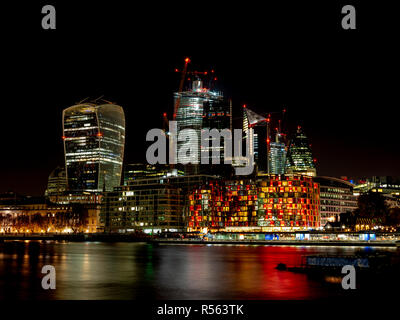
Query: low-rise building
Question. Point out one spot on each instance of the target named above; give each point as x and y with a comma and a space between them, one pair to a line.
24, 214
149, 205
138, 171
336, 197
382, 184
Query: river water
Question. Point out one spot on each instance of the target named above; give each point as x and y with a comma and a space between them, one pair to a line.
96, 270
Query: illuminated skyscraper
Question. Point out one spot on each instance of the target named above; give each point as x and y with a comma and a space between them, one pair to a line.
246, 126
277, 156
201, 108
57, 183
94, 139
299, 157
259, 142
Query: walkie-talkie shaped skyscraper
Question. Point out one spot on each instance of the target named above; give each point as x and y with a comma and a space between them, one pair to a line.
94, 140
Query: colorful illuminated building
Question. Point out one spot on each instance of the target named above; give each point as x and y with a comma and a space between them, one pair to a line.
222, 205
288, 202
270, 203
94, 139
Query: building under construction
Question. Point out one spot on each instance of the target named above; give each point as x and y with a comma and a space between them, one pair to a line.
200, 106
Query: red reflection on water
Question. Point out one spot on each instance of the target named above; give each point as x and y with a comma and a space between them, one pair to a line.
245, 272
279, 284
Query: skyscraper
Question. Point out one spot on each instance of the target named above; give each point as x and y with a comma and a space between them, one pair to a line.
94, 139
201, 108
57, 183
277, 155
246, 126
299, 157
259, 142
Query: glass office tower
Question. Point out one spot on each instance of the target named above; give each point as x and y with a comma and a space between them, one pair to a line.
299, 157
201, 108
94, 139
277, 156
253, 143
259, 142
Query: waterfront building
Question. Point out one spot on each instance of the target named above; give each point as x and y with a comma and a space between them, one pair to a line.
382, 184
94, 138
336, 197
223, 205
288, 202
277, 155
35, 215
201, 108
57, 183
150, 205
299, 158
269, 203
135, 171
12, 198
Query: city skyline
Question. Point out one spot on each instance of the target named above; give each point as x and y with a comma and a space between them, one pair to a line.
200, 151
44, 172
335, 86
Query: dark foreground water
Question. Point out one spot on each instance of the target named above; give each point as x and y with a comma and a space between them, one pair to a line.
144, 271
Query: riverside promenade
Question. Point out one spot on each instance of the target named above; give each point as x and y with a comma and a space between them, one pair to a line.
351, 243
381, 241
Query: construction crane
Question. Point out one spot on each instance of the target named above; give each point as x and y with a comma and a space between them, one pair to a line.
165, 123
178, 99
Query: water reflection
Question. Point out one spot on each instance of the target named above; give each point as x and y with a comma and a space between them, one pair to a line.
143, 271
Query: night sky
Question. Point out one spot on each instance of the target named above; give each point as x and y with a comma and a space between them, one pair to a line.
341, 86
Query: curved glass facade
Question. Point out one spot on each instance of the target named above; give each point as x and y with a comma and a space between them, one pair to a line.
201, 108
299, 157
94, 139
277, 156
